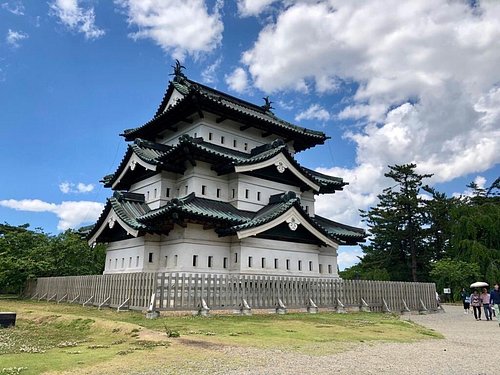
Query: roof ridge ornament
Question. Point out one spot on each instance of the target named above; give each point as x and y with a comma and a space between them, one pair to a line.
178, 74
267, 106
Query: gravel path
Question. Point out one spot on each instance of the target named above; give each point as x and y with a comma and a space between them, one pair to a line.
468, 346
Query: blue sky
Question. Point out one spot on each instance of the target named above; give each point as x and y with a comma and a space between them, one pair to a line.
397, 82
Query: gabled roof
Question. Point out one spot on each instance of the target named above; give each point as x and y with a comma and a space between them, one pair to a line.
130, 211
154, 157
197, 98
124, 209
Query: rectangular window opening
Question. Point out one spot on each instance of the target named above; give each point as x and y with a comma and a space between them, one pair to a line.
235, 143
263, 262
210, 261
247, 193
221, 139
210, 136
150, 257
233, 193
276, 263
203, 189
137, 261
166, 260
288, 264
175, 260
235, 257
258, 195
123, 262
250, 262
195, 260
320, 268
329, 268
245, 146
299, 265
310, 265
218, 193
224, 263
167, 193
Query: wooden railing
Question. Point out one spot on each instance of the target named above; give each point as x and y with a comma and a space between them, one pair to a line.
189, 291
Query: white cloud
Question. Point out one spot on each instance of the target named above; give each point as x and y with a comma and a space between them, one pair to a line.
71, 214
253, 7
425, 76
69, 187
209, 74
314, 112
179, 27
480, 181
14, 37
14, 7
348, 257
237, 80
75, 17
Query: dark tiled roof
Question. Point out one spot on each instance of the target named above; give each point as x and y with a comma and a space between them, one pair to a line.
208, 98
341, 231
158, 154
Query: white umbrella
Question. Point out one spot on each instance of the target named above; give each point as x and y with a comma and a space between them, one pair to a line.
478, 284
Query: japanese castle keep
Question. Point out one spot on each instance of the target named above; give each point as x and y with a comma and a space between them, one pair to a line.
210, 185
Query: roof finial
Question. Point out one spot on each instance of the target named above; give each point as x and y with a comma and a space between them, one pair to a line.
178, 69
267, 106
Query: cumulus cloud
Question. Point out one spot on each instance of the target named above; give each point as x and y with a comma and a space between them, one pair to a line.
71, 214
424, 75
69, 187
14, 7
237, 80
179, 27
253, 7
347, 258
14, 37
76, 18
314, 112
209, 74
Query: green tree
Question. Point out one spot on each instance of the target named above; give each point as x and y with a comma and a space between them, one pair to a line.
454, 274
398, 241
27, 254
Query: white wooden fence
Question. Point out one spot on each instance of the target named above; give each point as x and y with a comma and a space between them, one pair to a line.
185, 291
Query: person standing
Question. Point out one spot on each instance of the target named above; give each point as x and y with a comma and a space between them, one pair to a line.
465, 297
485, 301
475, 301
495, 301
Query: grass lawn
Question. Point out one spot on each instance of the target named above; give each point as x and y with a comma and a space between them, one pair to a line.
53, 338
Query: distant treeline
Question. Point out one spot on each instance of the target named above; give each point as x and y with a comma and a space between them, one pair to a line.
26, 254
420, 234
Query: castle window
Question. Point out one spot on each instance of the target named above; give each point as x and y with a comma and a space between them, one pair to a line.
195, 260
221, 139
209, 136
195, 135
185, 189
167, 193
320, 268
235, 143
263, 262
175, 260
150, 258
130, 262
233, 193
299, 265
310, 265
247, 193
116, 263
203, 189
137, 261
245, 146
218, 193
210, 261
235, 257
166, 261
224, 263
288, 264
307, 209
250, 262
123, 262
147, 195
155, 191
276, 263
109, 264
329, 268
258, 195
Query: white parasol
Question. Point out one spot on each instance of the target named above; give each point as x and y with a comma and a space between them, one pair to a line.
478, 284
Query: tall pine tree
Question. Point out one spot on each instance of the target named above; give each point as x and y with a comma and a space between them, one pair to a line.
398, 243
